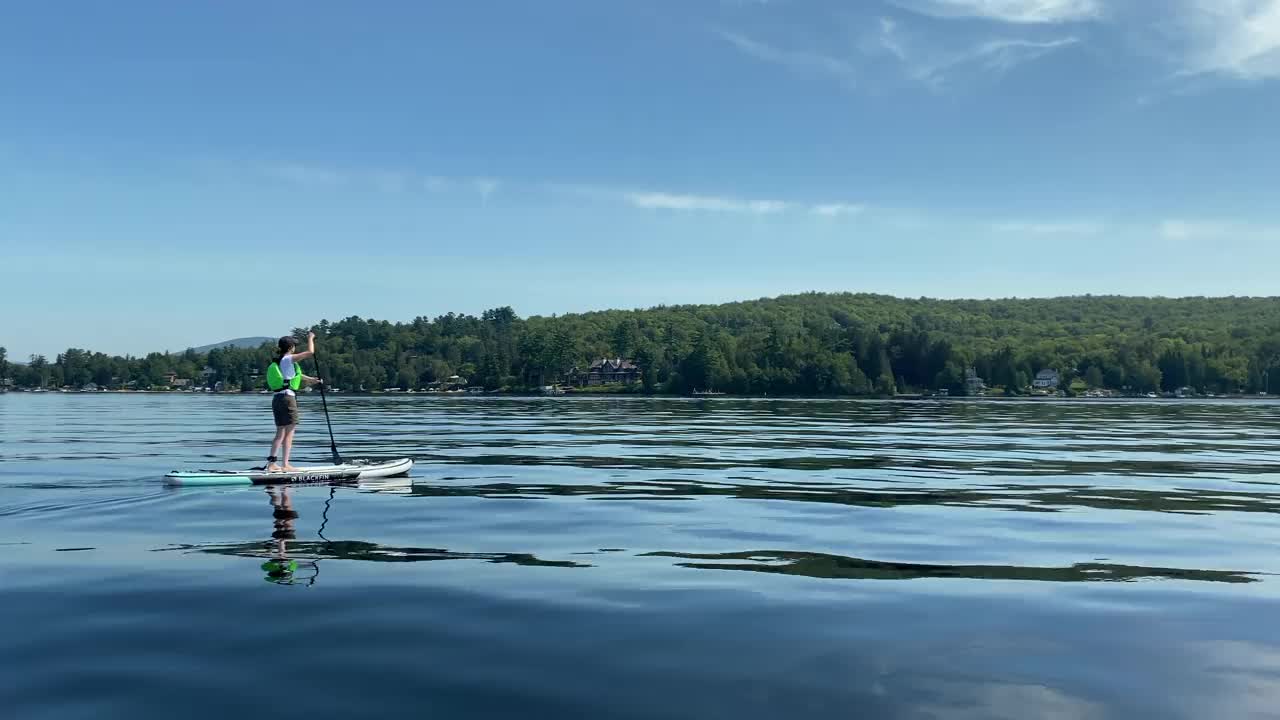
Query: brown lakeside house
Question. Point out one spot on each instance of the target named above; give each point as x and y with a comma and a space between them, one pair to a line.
606, 371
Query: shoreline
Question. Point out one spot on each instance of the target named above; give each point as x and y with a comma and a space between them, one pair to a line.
911, 397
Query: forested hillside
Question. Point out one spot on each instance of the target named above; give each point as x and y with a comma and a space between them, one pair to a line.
811, 344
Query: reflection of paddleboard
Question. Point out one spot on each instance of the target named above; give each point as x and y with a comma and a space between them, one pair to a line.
347, 472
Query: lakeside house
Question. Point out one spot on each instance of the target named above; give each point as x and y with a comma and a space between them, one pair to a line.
453, 383
607, 371
172, 380
1047, 379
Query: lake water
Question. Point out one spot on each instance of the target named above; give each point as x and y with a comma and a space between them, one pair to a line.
644, 558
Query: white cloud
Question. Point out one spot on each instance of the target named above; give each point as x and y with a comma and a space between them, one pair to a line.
1192, 229
936, 60
767, 206
386, 181
390, 181
995, 56
1004, 55
305, 175
708, 203
921, 56
1079, 227
689, 202
1009, 11
485, 186
1003, 701
889, 40
796, 60
837, 209
1247, 676
1237, 38
1224, 232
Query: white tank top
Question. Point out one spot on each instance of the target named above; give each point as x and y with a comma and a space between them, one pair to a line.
287, 369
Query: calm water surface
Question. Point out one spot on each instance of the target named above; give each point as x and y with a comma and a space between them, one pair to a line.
635, 558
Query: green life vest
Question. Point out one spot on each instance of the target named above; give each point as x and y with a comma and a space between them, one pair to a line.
276, 381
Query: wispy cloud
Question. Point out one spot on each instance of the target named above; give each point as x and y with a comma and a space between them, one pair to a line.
932, 61
1193, 229
390, 181
305, 175
1022, 227
1228, 38
728, 204
1236, 38
385, 181
1004, 55
993, 56
485, 186
795, 60
693, 202
1009, 11
837, 209
707, 203
889, 40
921, 61
1218, 231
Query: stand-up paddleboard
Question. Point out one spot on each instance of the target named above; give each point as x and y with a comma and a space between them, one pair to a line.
346, 472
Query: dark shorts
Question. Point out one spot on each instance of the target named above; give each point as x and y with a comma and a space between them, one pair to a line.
285, 409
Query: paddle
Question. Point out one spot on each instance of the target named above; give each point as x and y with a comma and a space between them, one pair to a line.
333, 446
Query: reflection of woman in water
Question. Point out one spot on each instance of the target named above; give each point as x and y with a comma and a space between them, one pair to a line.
280, 568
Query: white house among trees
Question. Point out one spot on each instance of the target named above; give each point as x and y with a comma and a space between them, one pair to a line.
1047, 379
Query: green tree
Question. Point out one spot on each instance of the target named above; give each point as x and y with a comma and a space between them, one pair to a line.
1093, 376
625, 336
951, 379
705, 367
1021, 381
647, 360
490, 373
813, 343
1145, 377
886, 385
1065, 380
406, 379
41, 373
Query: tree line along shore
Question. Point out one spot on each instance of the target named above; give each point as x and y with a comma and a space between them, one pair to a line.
815, 344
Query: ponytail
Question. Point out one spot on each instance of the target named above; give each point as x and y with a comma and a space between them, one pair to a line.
283, 347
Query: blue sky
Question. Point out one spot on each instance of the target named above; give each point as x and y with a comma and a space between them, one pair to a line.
177, 173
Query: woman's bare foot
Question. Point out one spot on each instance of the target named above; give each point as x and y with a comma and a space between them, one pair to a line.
290, 468
273, 468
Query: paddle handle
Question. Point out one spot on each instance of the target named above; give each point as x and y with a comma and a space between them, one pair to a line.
324, 402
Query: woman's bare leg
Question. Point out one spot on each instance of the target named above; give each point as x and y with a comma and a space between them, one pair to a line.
276, 444
288, 446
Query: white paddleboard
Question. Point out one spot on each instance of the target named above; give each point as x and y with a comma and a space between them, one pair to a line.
346, 472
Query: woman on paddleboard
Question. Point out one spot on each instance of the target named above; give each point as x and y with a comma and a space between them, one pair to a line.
285, 377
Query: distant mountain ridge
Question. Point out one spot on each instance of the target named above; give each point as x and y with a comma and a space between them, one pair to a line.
244, 342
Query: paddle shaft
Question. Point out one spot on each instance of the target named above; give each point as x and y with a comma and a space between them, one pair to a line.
333, 446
